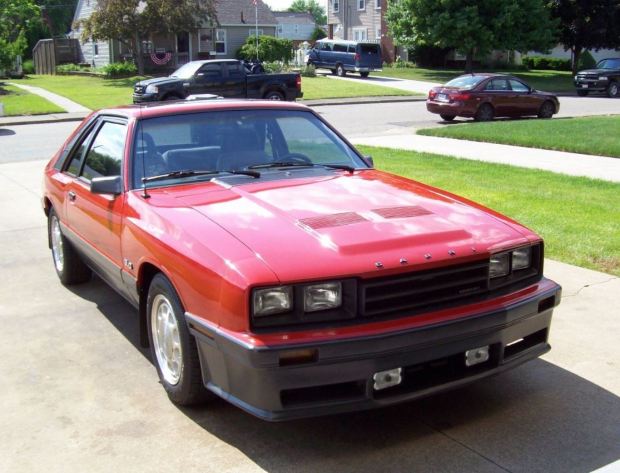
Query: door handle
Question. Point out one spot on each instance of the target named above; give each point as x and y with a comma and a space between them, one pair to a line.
72, 195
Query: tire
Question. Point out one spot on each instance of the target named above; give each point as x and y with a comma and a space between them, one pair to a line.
547, 109
364, 74
613, 90
447, 118
582, 93
340, 72
68, 265
173, 348
485, 113
274, 95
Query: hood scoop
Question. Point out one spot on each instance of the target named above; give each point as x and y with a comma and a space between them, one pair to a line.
334, 220
402, 212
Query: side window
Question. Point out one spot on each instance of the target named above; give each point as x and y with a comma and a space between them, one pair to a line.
235, 71
340, 48
105, 156
326, 47
519, 86
211, 71
78, 156
497, 85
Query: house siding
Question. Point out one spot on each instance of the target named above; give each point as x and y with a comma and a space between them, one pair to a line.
303, 31
349, 18
237, 35
91, 52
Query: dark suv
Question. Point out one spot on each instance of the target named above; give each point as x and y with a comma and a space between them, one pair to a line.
605, 78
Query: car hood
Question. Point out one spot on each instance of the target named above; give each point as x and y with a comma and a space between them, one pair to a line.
601, 72
158, 81
343, 224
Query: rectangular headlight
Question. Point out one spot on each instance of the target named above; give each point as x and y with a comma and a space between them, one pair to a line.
521, 258
500, 265
322, 296
273, 300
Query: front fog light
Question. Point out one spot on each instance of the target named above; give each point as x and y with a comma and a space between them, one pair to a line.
521, 258
500, 266
322, 296
273, 300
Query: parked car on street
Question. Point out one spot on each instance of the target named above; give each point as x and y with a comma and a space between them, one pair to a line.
272, 265
227, 78
605, 77
485, 96
346, 56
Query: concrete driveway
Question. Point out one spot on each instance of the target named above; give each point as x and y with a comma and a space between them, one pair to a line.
78, 394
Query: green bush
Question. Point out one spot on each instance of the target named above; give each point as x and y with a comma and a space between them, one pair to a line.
586, 61
317, 34
120, 69
28, 66
308, 71
270, 49
546, 63
71, 68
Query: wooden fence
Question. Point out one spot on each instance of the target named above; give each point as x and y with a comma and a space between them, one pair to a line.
48, 53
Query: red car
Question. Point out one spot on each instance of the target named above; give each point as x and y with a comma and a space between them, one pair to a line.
485, 96
270, 264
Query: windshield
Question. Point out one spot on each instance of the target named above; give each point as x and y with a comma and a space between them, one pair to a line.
186, 71
235, 140
609, 64
465, 82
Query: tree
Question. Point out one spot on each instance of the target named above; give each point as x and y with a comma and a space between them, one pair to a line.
16, 18
312, 7
587, 24
132, 21
270, 49
472, 26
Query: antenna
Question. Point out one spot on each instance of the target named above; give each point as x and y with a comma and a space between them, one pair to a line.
145, 195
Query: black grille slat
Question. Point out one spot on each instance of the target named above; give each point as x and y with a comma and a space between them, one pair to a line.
425, 289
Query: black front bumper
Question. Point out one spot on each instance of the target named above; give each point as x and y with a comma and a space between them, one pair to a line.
591, 85
340, 379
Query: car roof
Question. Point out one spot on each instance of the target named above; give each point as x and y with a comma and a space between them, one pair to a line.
161, 109
489, 74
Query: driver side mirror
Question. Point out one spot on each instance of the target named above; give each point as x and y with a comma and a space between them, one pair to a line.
370, 161
106, 185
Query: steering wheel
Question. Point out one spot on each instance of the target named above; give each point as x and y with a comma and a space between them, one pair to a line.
296, 158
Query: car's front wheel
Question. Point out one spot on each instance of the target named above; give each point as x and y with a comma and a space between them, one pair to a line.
547, 109
613, 90
447, 118
173, 348
67, 263
485, 113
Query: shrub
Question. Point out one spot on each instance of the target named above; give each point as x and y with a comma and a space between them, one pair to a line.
270, 49
546, 63
586, 61
317, 34
28, 66
308, 71
71, 68
120, 69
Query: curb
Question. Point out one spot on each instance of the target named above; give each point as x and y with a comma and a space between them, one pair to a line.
363, 100
42, 119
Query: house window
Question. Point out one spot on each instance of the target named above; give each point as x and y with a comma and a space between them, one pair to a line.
147, 47
360, 34
205, 40
96, 49
336, 6
280, 30
377, 4
220, 41
378, 33
252, 32
361, 4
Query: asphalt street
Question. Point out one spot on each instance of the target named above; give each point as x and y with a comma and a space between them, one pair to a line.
79, 394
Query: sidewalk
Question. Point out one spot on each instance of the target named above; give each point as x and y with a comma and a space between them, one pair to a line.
573, 164
69, 105
416, 86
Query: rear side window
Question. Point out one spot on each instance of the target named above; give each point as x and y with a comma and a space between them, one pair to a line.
497, 84
105, 156
369, 48
235, 71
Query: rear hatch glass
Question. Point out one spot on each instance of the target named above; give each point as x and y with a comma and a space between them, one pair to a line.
370, 55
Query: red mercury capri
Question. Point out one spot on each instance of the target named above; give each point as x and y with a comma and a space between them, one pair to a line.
485, 96
272, 265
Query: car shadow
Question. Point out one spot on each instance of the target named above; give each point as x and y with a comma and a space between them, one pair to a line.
6, 132
538, 417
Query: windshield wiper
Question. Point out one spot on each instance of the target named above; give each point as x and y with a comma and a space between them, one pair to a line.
286, 164
191, 172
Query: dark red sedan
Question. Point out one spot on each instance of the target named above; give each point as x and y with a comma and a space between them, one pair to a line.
485, 96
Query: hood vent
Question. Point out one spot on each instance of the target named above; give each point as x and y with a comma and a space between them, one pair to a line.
335, 220
402, 212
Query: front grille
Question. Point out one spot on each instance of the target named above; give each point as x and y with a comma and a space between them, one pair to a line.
423, 290
139, 89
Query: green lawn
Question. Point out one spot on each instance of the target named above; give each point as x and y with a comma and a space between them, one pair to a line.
589, 135
579, 218
553, 81
95, 93
17, 101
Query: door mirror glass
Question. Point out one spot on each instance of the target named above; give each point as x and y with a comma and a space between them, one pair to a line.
370, 161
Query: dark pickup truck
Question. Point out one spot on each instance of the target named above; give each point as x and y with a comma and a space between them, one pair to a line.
604, 78
227, 78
